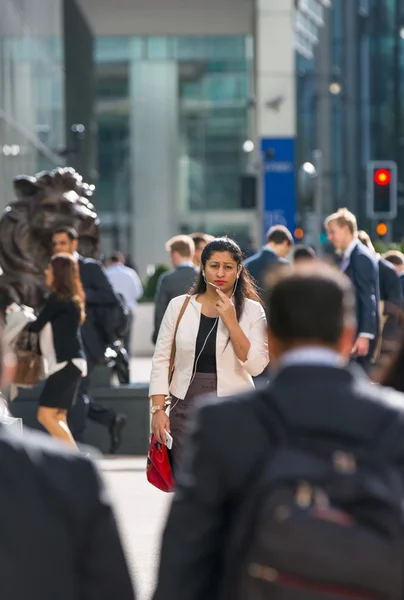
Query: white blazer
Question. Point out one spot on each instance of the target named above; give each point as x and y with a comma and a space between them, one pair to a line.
233, 375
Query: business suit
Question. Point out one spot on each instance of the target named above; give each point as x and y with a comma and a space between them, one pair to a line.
229, 440
402, 282
261, 264
391, 294
362, 269
59, 538
170, 285
99, 294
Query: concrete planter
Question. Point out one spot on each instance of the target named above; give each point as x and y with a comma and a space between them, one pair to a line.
142, 332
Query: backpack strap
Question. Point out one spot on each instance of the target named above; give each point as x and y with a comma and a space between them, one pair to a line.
270, 416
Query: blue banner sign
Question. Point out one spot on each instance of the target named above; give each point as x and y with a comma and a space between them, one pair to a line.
278, 183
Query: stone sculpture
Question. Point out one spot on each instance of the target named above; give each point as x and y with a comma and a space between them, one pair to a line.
44, 202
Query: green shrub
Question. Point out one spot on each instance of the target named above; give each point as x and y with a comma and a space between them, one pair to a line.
382, 247
150, 284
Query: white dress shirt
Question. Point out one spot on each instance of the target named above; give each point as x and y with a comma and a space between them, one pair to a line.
126, 282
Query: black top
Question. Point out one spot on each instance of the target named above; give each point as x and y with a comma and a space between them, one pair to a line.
65, 321
207, 360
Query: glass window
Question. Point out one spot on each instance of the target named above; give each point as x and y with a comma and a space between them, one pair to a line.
158, 48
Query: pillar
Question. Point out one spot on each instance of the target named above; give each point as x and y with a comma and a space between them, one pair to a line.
154, 159
276, 107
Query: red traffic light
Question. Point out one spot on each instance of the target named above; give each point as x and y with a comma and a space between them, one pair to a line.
382, 176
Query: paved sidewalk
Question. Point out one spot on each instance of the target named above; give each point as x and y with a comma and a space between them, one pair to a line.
140, 369
141, 512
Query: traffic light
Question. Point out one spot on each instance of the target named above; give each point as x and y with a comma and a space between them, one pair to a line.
381, 229
298, 233
382, 190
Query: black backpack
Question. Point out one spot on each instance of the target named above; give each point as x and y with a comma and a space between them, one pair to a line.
324, 521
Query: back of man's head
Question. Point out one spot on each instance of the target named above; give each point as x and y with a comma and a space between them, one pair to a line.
395, 257
311, 304
279, 234
117, 257
302, 252
181, 247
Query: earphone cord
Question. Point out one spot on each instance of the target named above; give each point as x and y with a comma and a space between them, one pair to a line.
203, 347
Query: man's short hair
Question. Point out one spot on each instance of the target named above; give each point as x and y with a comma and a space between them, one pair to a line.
395, 257
69, 231
201, 238
342, 217
310, 303
364, 239
183, 244
302, 252
278, 234
117, 257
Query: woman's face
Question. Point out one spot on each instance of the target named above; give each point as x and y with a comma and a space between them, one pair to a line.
221, 270
49, 276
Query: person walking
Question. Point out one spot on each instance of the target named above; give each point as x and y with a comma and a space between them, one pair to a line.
396, 258
125, 282
220, 342
360, 265
278, 245
391, 296
200, 240
317, 404
100, 296
177, 281
59, 325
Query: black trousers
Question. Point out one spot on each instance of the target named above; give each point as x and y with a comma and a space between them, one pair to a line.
85, 407
128, 336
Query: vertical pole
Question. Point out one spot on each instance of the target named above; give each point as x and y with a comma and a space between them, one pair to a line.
318, 198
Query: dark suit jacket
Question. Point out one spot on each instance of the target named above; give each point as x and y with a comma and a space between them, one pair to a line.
260, 265
99, 295
170, 285
59, 538
402, 282
229, 440
391, 293
364, 273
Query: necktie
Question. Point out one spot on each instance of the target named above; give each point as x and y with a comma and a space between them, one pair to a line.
344, 263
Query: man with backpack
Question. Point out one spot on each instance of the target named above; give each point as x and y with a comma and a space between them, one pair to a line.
295, 490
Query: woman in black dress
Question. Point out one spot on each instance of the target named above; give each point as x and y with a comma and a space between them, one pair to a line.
60, 340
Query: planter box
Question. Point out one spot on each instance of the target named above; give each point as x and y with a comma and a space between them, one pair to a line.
142, 331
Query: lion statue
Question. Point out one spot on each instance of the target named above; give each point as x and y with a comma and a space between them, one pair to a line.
44, 202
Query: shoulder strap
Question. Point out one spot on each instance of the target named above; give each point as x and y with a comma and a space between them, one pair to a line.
174, 345
270, 416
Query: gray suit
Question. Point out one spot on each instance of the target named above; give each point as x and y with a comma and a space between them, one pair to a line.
170, 285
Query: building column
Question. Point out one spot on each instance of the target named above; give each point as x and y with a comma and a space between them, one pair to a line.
276, 108
154, 159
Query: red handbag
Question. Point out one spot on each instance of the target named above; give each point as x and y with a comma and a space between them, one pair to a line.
159, 471
159, 468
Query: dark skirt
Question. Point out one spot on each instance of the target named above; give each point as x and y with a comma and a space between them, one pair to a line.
60, 389
204, 383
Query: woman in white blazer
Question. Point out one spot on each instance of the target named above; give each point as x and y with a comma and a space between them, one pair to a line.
221, 342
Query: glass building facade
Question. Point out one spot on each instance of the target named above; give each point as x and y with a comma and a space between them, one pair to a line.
211, 111
31, 89
364, 47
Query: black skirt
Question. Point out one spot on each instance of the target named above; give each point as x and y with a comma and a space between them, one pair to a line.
60, 389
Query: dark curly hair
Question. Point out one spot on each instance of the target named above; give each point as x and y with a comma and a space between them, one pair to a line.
246, 287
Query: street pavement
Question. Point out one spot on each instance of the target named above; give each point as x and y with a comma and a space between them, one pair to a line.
141, 511
140, 508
